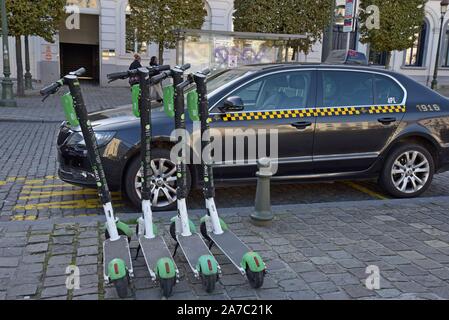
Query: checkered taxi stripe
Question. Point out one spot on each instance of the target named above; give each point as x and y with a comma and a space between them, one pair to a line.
315, 112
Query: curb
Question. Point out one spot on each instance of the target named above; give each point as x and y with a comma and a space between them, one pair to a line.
295, 209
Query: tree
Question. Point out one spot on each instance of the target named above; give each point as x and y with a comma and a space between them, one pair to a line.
306, 17
400, 24
156, 20
32, 18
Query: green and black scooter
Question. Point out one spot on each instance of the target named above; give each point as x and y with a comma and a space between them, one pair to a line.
117, 264
182, 229
213, 228
157, 256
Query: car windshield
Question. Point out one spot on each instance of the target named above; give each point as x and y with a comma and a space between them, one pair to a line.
224, 77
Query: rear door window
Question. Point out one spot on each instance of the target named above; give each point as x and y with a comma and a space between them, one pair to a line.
347, 88
387, 91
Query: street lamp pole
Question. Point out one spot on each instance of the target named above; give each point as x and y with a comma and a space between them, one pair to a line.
7, 93
444, 6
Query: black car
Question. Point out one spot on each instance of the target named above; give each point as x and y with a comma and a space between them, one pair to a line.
334, 122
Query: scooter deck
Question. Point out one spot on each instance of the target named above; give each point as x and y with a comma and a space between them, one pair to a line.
153, 250
118, 249
193, 248
231, 246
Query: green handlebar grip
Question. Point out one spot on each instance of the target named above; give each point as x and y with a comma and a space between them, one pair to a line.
69, 110
169, 101
192, 105
135, 94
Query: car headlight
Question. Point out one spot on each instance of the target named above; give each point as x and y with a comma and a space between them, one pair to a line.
103, 138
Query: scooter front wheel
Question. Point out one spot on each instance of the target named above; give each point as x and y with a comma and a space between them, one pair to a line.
255, 279
167, 286
121, 286
208, 282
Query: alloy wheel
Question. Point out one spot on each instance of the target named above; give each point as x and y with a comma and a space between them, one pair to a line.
163, 183
410, 172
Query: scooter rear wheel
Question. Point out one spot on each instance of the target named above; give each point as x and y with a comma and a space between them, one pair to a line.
121, 286
255, 279
167, 286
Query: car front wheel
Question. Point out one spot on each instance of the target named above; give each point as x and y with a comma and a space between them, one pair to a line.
163, 181
408, 171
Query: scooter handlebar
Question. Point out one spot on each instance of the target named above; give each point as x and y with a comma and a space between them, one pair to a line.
78, 72
180, 87
50, 89
205, 71
160, 77
118, 75
185, 67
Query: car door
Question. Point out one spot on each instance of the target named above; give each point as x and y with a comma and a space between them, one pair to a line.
357, 115
282, 102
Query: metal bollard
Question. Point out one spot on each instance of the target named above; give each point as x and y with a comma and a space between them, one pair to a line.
263, 215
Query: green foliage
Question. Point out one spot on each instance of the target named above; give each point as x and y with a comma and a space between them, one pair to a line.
35, 18
400, 23
155, 20
306, 17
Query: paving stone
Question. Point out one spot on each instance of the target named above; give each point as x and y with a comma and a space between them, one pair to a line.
331, 269
428, 264
55, 281
321, 260
85, 251
22, 290
388, 293
52, 292
62, 249
442, 273
323, 287
436, 244
396, 260
411, 255
358, 291
37, 248
293, 285
86, 297
411, 270
302, 267
334, 296
303, 295
344, 279
410, 287
39, 239
34, 258
9, 262
350, 263
60, 260
340, 254
272, 294
314, 276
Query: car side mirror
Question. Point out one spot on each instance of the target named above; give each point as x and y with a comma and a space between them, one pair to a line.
233, 104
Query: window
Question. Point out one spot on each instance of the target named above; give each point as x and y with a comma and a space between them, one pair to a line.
445, 52
414, 56
387, 91
90, 4
287, 90
344, 89
133, 45
378, 58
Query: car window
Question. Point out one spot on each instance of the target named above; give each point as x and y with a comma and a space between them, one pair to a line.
387, 91
343, 89
287, 90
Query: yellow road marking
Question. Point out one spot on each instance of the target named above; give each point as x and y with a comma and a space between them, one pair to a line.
72, 204
48, 186
369, 192
48, 194
36, 181
2, 183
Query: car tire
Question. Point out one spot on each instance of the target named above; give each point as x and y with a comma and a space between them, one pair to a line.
131, 176
407, 176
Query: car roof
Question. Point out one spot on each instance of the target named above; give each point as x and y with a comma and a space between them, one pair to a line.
280, 66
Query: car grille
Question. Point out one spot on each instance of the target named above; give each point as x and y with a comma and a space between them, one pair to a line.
64, 133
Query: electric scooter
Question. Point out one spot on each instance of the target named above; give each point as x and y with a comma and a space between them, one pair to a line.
201, 261
213, 228
117, 264
157, 256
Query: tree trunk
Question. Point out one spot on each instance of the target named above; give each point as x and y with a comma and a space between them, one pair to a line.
161, 53
388, 61
20, 80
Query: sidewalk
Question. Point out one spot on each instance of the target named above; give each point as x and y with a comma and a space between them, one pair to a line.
32, 109
318, 251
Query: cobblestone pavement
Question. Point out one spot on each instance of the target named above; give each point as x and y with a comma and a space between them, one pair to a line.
312, 251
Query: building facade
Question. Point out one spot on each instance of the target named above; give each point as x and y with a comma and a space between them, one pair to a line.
104, 44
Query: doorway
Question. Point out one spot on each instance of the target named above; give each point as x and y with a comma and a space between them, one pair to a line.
80, 47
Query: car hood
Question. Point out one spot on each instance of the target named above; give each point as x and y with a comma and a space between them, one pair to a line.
122, 115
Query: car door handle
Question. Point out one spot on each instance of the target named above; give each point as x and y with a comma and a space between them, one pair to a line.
387, 121
301, 125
